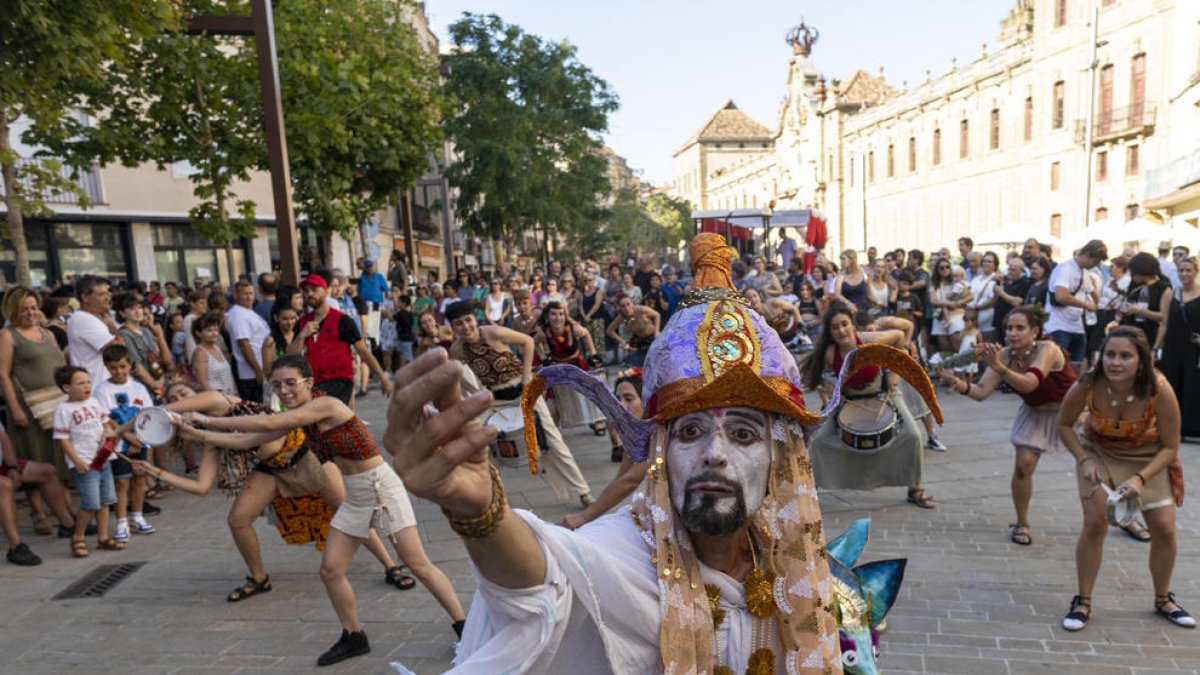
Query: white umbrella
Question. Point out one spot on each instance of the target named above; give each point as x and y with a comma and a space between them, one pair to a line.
1116, 235
1014, 232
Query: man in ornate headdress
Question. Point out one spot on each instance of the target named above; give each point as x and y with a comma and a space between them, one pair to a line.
719, 566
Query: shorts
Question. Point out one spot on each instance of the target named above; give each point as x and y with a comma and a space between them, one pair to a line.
405, 349
374, 498
21, 464
1075, 344
121, 469
339, 389
96, 488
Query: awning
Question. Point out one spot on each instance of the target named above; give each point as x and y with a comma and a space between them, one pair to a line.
1174, 198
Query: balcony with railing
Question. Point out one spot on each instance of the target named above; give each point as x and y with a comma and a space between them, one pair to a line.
1111, 126
88, 181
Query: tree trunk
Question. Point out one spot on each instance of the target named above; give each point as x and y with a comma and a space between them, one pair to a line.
16, 220
233, 274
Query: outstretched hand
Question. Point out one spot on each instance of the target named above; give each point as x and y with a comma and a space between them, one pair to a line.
440, 449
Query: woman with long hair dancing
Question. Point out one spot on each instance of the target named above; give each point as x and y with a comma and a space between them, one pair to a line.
1037, 369
374, 493
1130, 436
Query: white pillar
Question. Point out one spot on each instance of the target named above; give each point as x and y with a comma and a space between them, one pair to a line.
260, 250
142, 238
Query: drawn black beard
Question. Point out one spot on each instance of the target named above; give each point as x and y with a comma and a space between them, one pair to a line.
700, 512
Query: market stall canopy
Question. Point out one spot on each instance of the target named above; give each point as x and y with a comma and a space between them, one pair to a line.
1144, 232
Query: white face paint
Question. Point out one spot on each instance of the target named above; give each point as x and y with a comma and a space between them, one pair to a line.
718, 464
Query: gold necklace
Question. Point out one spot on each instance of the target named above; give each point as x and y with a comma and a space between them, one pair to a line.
1113, 397
760, 601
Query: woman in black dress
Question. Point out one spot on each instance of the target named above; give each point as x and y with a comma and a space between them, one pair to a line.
1181, 349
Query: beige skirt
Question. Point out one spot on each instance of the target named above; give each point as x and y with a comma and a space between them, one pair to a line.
1119, 465
374, 498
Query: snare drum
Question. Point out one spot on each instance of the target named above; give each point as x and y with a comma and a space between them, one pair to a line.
866, 424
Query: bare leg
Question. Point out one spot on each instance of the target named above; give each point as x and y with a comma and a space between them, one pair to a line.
82, 519
1089, 551
251, 501
1022, 482
1161, 523
137, 493
339, 550
34, 495
46, 478
8, 512
333, 494
412, 553
122, 498
101, 524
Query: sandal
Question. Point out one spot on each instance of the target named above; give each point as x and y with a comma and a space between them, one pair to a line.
1137, 531
1178, 616
41, 524
1075, 619
921, 499
251, 588
110, 545
79, 548
1020, 534
396, 577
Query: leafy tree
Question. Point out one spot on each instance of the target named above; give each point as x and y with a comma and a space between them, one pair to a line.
653, 225
363, 104
526, 119
53, 52
673, 219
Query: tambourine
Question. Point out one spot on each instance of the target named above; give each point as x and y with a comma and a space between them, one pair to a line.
155, 426
1120, 509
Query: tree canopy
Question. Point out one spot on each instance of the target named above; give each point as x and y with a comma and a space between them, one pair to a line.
54, 52
526, 120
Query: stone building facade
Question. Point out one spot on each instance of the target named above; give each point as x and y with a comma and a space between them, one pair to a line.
996, 141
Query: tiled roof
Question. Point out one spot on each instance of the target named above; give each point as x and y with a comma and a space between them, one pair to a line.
729, 123
862, 87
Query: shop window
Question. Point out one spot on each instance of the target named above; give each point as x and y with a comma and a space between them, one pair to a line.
91, 248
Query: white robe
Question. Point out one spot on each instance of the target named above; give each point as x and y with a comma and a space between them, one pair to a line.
596, 613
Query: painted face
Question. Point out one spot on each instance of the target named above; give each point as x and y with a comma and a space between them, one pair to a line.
1120, 359
720, 460
465, 327
631, 398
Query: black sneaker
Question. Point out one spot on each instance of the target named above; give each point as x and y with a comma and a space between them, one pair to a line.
150, 509
21, 555
618, 453
347, 647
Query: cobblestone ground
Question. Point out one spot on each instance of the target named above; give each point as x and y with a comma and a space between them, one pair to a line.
971, 603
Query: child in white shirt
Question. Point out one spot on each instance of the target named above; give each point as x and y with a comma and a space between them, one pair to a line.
123, 396
81, 427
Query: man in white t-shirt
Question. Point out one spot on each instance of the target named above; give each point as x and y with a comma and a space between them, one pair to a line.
248, 331
90, 329
1167, 264
1069, 295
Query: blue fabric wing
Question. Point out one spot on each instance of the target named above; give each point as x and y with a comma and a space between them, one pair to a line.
850, 544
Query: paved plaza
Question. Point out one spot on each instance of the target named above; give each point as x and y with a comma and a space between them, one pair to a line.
971, 603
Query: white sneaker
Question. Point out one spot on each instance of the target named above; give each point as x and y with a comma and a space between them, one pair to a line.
936, 445
122, 531
142, 527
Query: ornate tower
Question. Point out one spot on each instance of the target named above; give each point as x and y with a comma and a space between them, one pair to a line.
801, 38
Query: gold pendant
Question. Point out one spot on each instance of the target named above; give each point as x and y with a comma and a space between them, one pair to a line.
760, 594
762, 662
718, 614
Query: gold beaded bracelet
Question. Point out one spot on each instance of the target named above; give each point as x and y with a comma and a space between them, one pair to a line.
485, 524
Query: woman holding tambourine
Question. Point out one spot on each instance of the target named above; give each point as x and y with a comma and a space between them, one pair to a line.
1127, 440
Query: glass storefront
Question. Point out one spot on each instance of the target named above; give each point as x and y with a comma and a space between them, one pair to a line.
182, 255
66, 251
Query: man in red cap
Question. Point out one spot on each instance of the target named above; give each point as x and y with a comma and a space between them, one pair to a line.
326, 337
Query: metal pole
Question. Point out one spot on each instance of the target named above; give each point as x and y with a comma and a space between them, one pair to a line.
1091, 115
406, 218
277, 158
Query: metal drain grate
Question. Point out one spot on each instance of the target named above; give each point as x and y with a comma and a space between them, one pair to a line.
99, 581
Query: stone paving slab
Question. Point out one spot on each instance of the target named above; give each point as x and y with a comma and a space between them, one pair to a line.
971, 603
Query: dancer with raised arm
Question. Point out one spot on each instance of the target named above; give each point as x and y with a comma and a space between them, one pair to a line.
336, 434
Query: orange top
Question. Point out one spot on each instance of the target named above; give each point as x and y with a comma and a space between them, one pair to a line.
1116, 433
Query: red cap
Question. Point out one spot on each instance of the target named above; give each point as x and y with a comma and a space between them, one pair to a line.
314, 280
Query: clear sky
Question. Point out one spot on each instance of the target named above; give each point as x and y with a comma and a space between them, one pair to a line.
673, 62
